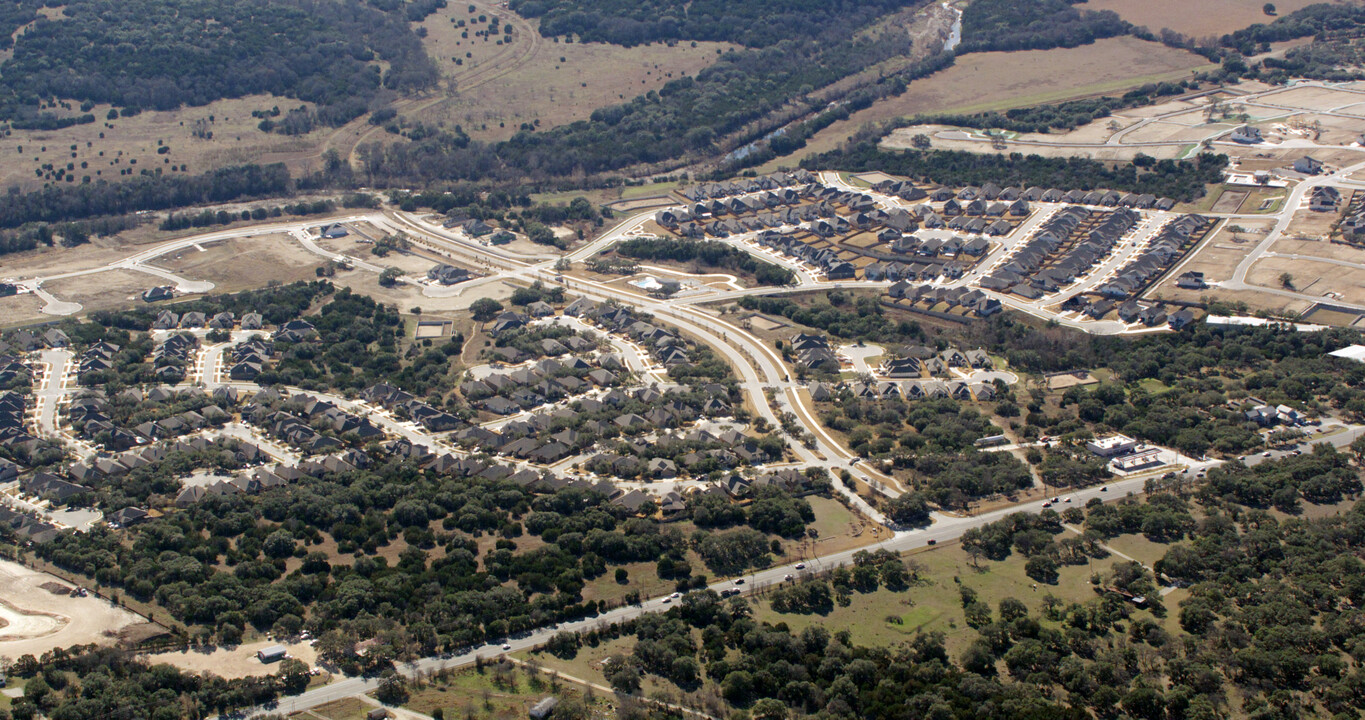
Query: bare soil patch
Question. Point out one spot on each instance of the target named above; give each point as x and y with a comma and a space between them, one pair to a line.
105, 290
1062, 381
232, 662
243, 263
1327, 316
1229, 201
1310, 277
39, 620
20, 310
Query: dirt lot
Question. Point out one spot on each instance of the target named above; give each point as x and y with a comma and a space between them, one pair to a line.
1197, 19
1310, 277
20, 310
1311, 98
39, 620
104, 291
105, 148
233, 662
243, 263
1229, 201
1218, 257
532, 79
999, 81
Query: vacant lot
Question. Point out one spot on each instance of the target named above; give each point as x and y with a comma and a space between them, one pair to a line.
244, 263
999, 81
38, 620
237, 661
1310, 277
20, 310
107, 290
1196, 19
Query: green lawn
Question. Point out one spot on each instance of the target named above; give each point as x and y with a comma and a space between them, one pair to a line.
1153, 386
1139, 548
934, 604
494, 694
12, 682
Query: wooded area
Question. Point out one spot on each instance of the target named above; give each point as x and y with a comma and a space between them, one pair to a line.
162, 54
1183, 180
753, 23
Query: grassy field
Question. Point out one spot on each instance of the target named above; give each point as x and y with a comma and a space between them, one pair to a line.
1197, 19
607, 195
494, 694
999, 81
501, 82
115, 149
1153, 386
934, 603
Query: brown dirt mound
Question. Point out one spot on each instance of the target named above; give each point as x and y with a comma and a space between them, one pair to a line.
56, 588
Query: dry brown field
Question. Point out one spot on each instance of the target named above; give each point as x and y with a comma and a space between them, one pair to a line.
999, 81
1196, 19
499, 87
495, 89
244, 263
107, 148
21, 310
108, 290
1310, 277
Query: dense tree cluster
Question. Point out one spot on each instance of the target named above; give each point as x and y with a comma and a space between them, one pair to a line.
147, 192
91, 682
357, 345
162, 54
707, 254
754, 23
1321, 19
1177, 179
839, 314
820, 593
226, 563
1269, 628
1034, 25
1323, 476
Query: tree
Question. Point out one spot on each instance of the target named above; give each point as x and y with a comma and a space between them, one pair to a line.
390, 276
921, 141
1358, 449
1268, 8
909, 509
393, 690
1287, 280
279, 544
769, 709
485, 309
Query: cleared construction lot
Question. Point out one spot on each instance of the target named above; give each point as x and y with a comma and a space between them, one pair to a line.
38, 619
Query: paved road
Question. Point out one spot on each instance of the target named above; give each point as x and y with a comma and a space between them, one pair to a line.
943, 529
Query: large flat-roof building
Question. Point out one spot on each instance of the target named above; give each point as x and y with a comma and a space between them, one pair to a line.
1112, 446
